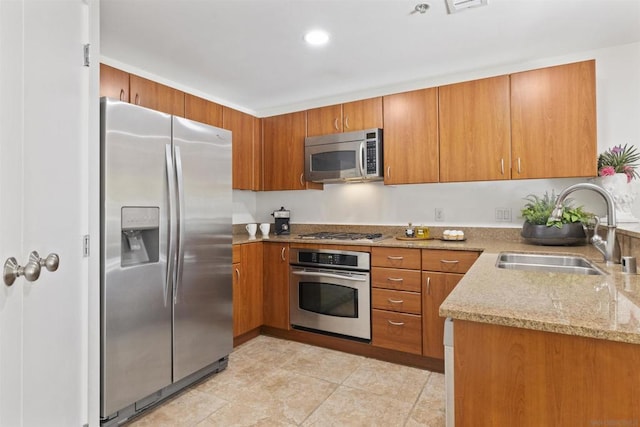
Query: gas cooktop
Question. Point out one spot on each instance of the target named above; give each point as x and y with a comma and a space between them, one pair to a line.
327, 235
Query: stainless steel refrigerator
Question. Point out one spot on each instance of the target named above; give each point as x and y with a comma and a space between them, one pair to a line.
166, 285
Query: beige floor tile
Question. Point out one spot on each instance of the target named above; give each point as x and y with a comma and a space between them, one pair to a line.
429, 410
353, 407
272, 351
275, 382
388, 379
187, 409
329, 365
288, 395
240, 414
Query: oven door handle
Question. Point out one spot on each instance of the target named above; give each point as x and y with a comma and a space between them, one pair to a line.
329, 275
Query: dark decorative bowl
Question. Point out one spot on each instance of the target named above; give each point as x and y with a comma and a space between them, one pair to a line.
569, 234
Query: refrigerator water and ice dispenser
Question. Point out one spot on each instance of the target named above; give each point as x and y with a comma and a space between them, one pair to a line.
140, 228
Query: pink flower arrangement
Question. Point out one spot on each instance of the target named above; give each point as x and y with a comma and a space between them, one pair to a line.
619, 159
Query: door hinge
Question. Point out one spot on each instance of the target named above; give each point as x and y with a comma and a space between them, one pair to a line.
86, 55
86, 244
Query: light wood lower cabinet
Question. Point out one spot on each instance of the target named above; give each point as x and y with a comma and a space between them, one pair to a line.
442, 270
507, 376
437, 287
400, 301
396, 315
247, 288
276, 285
397, 331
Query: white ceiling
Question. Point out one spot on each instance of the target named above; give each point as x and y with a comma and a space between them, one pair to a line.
250, 53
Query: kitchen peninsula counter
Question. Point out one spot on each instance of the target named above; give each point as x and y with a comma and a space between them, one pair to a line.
603, 307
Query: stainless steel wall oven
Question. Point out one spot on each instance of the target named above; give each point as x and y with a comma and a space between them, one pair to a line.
330, 292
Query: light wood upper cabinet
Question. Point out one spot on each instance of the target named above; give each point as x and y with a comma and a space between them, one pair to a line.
475, 134
352, 116
114, 83
283, 152
363, 114
156, 96
553, 122
247, 149
324, 120
411, 137
202, 110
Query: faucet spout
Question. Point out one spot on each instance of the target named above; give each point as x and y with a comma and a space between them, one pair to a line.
606, 247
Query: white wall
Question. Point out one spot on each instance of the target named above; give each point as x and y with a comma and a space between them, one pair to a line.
468, 204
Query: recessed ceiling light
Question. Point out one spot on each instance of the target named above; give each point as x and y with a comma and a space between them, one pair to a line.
316, 37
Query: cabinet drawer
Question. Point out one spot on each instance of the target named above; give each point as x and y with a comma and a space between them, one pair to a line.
448, 261
395, 258
397, 331
387, 299
394, 278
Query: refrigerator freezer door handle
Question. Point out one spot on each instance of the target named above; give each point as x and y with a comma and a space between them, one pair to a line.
171, 254
180, 252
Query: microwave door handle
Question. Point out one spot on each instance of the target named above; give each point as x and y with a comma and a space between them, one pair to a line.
328, 275
362, 153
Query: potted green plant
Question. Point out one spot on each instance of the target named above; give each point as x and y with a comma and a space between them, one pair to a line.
539, 229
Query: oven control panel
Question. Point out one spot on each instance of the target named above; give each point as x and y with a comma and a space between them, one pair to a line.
329, 258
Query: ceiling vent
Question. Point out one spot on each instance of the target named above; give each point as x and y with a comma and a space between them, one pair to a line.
454, 6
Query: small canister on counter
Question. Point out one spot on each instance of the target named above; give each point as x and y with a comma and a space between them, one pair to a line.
422, 232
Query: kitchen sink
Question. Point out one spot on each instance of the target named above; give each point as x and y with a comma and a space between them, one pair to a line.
547, 263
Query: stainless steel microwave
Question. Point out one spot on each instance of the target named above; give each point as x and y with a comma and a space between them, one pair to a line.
340, 157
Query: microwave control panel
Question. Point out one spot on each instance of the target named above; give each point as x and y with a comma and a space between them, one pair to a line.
374, 153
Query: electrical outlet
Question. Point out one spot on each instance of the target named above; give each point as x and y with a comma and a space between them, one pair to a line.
503, 214
439, 215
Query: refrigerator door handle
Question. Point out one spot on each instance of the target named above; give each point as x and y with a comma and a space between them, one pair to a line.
171, 254
180, 253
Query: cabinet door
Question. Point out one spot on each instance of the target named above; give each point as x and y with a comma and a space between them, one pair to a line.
411, 137
248, 289
114, 83
553, 122
437, 286
246, 158
203, 111
324, 120
283, 151
475, 134
276, 285
156, 96
363, 114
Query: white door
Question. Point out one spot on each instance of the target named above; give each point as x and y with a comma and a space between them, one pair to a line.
44, 140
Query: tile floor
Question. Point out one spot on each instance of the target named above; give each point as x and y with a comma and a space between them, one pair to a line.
275, 382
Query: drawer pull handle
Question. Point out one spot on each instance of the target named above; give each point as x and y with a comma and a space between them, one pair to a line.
395, 301
446, 261
428, 285
395, 279
395, 258
391, 322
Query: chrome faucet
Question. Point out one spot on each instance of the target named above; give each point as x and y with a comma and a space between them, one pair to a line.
608, 248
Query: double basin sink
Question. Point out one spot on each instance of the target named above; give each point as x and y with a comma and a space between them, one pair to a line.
547, 263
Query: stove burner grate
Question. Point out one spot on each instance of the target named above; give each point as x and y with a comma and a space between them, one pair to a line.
327, 235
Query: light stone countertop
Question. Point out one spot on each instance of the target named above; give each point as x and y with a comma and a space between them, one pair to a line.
604, 307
